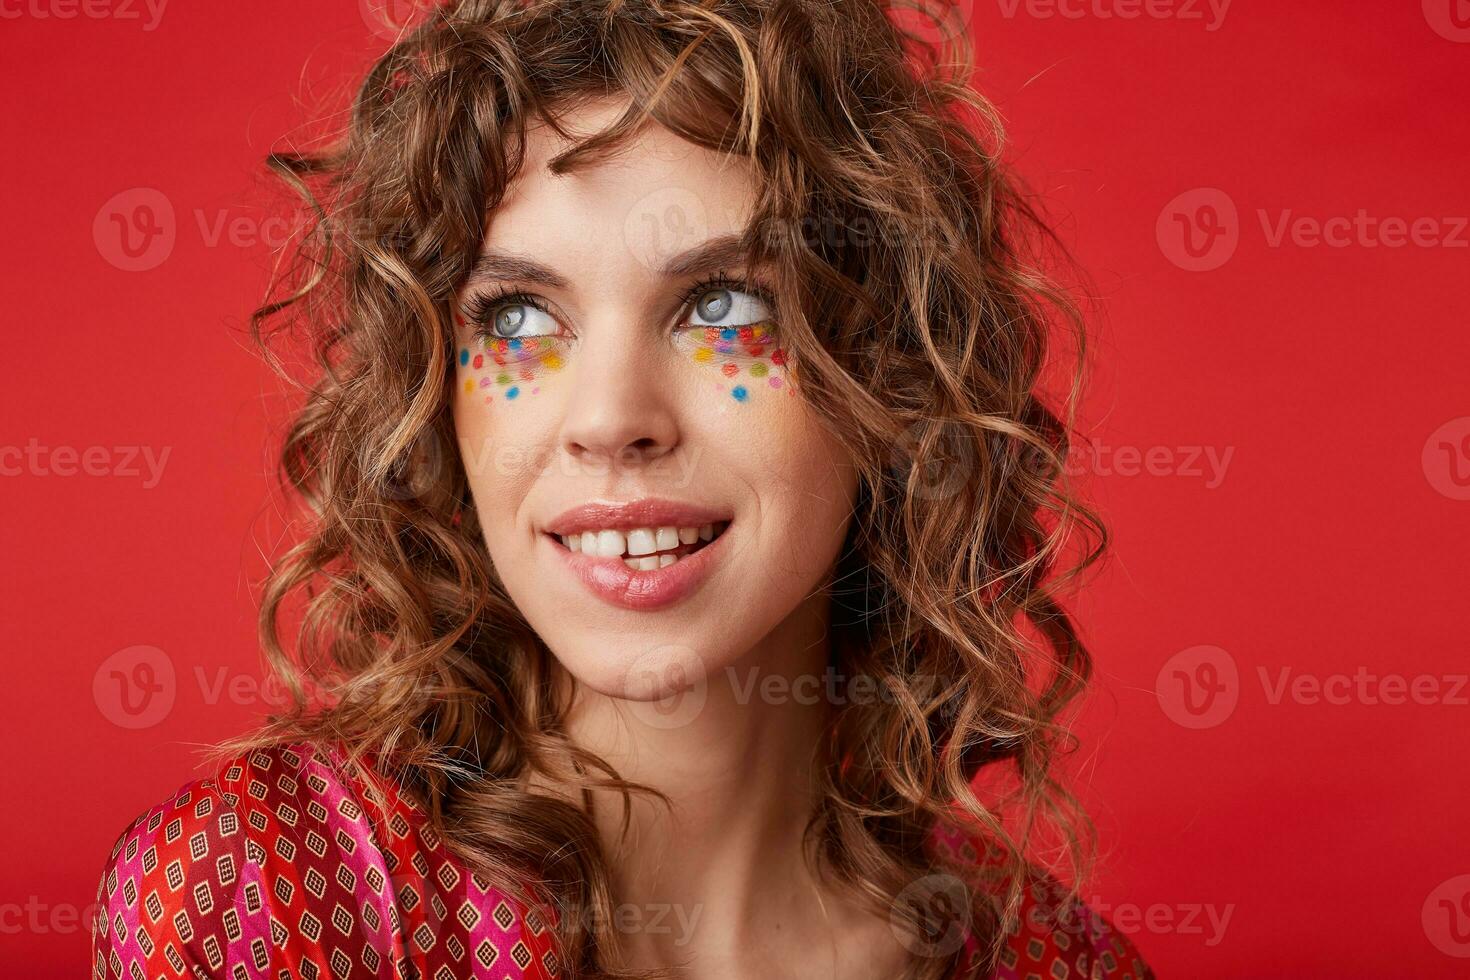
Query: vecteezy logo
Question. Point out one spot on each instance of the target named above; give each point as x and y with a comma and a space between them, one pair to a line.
1199, 687
1446, 459
1449, 18
135, 687
664, 223
135, 230
391, 19
666, 686
1199, 230
938, 906
1446, 917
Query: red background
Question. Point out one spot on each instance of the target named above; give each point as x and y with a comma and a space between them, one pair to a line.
1335, 542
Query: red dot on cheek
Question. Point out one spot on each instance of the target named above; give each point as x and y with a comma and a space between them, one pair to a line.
730, 369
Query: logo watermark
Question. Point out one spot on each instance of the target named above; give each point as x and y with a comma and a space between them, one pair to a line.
145, 13
1446, 916
118, 462
1207, 464
139, 686
1210, 14
1446, 459
1450, 19
135, 687
41, 918
1201, 229
1201, 687
1198, 687
135, 230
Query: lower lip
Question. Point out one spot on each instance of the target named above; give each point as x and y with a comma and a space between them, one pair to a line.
612, 581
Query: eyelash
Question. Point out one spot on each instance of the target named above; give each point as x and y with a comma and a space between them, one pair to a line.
478, 310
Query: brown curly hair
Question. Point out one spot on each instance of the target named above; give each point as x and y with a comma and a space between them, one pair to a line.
884, 207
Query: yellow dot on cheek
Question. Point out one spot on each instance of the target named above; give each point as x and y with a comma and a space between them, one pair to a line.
704, 354
551, 362
469, 387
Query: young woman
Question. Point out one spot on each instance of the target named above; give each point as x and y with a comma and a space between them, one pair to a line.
685, 525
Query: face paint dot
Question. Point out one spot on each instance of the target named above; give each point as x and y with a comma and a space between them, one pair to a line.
469, 387
485, 382
728, 333
758, 370
552, 362
730, 369
502, 378
479, 361
745, 333
515, 343
464, 356
512, 392
774, 381
740, 393
778, 356
704, 354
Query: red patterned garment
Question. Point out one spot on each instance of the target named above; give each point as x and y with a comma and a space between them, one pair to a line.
279, 866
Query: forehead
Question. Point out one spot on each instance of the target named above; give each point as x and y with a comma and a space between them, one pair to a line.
654, 197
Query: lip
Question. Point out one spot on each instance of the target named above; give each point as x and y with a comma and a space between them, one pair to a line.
611, 580
610, 515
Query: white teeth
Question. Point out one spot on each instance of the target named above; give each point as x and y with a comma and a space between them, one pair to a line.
641, 542
610, 544
643, 548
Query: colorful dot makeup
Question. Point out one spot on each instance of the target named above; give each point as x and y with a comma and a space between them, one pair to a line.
747, 355
508, 368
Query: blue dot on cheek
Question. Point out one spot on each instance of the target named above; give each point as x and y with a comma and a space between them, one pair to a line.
740, 393
512, 392
464, 357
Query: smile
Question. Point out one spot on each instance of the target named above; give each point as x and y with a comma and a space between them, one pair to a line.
644, 555
646, 548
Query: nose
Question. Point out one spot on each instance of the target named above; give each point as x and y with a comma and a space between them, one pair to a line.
621, 406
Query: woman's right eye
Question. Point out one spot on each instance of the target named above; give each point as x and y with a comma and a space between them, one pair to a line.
510, 317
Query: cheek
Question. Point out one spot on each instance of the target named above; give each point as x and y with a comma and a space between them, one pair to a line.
745, 364
506, 371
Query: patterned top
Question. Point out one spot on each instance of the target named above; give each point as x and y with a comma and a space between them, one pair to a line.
281, 866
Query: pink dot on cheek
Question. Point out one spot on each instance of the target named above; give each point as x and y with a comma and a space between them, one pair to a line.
775, 382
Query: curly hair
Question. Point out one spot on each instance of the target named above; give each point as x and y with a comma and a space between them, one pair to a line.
911, 299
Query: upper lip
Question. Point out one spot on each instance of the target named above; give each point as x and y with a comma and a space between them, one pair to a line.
600, 515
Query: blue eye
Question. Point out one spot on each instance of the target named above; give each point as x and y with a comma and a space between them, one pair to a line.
509, 315
521, 320
725, 307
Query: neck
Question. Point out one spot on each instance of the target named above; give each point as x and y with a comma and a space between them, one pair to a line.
723, 863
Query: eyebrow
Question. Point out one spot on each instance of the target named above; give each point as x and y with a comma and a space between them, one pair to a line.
709, 255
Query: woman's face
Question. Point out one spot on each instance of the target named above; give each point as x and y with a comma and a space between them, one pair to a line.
656, 497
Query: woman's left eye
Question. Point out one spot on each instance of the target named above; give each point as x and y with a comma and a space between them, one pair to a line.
723, 306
